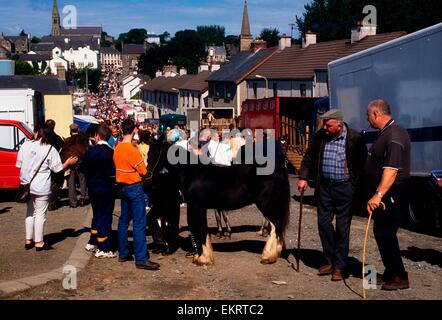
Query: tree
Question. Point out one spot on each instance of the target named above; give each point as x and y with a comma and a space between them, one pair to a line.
271, 36
333, 19
134, 36
104, 42
44, 66
212, 35
23, 68
78, 77
35, 39
23, 34
164, 37
35, 67
153, 60
187, 50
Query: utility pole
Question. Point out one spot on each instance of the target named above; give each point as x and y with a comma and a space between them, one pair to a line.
87, 91
292, 26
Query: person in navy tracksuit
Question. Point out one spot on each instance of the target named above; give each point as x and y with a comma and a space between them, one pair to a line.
99, 169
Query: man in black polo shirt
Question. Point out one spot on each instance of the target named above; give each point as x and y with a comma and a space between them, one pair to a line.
386, 173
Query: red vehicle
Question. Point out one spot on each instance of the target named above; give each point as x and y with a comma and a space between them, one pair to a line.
293, 118
12, 136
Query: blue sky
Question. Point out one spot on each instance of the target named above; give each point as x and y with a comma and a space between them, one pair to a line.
116, 16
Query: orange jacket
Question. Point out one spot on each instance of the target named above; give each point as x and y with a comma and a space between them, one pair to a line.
129, 164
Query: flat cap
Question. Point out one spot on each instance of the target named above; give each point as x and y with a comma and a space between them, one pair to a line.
335, 114
74, 126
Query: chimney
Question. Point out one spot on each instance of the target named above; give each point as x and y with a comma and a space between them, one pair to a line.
66, 40
362, 30
285, 42
308, 39
158, 74
61, 73
183, 71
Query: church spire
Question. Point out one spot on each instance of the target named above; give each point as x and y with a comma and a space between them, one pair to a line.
55, 20
245, 30
245, 39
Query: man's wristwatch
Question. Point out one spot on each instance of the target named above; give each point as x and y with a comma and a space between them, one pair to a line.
379, 194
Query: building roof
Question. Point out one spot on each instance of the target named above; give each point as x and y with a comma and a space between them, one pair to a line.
42, 47
35, 57
49, 42
219, 50
133, 49
197, 82
43, 84
81, 31
166, 84
109, 50
16, 38
298, 63
241, 65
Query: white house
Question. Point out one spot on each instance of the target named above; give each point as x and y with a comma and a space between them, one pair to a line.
81, 57
131, 85
153, 39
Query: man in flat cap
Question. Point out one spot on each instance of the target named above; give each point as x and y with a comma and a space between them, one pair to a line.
334, 163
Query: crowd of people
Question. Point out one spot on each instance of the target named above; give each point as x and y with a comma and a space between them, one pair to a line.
337, 164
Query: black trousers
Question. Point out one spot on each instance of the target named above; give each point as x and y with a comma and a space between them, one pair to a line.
386, 225
103, 205
335, 198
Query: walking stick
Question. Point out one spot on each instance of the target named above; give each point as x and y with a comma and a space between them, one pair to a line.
364, 247
301, 204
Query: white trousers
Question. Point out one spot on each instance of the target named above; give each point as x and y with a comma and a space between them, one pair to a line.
36, 217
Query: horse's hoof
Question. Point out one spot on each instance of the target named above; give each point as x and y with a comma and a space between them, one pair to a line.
201, 261
219, 235
228, 235
268, 261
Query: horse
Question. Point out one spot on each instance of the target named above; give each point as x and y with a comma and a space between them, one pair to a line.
226, 188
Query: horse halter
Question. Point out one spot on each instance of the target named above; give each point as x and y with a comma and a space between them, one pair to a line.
149, 175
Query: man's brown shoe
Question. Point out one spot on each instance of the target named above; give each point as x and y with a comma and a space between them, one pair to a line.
337, 275
396, 284
150, 265
325, 270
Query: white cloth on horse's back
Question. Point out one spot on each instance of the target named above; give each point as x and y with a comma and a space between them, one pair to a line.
220, 152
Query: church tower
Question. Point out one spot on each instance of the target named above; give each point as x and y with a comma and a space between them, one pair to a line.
55, 20
245, 39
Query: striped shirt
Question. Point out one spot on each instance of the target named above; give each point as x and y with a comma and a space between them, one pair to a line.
334, 161
129, 163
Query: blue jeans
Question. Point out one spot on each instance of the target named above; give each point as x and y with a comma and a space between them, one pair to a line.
133, 206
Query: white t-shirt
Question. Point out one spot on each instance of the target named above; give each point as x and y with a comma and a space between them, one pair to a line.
220, 152
29, 157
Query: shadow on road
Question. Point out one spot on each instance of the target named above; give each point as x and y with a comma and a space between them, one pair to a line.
54, 238
5, 210
430, 256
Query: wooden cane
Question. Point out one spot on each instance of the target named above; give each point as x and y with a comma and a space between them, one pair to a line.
364, 247
299, 231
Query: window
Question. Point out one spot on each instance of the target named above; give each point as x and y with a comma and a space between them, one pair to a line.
303, 90
275, 89
255, 90
9, 137
12, 137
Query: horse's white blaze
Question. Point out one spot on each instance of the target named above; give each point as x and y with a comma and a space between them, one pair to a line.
206, 257
271, 250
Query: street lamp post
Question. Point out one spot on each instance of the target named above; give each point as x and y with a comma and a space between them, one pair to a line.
267, 83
